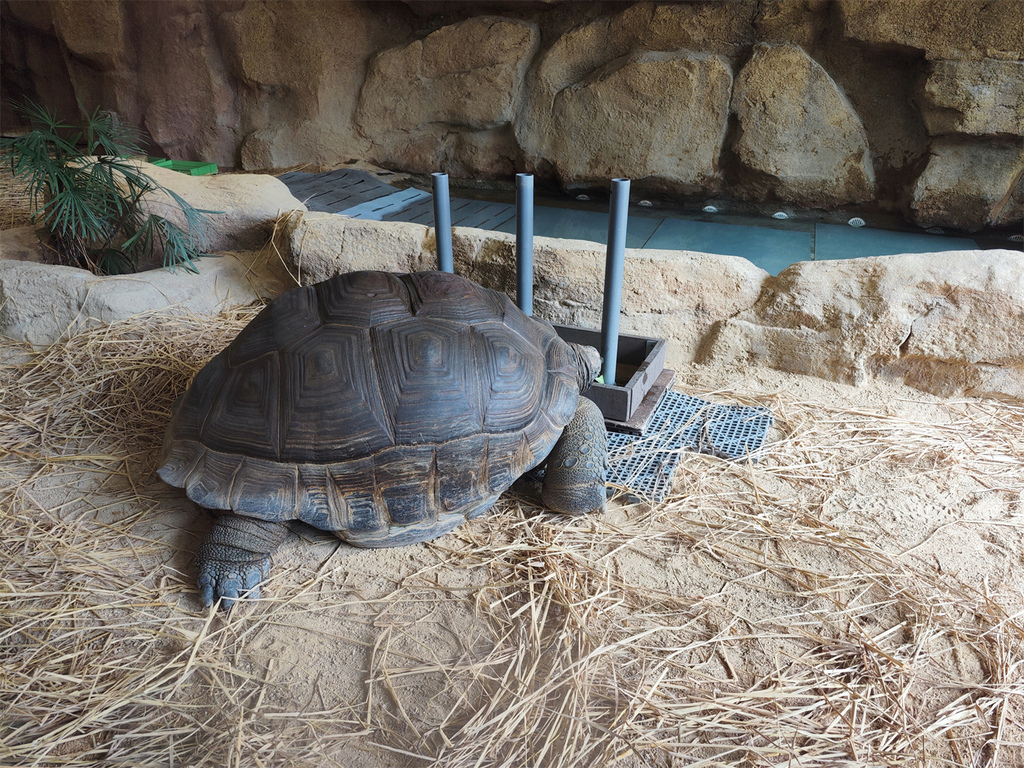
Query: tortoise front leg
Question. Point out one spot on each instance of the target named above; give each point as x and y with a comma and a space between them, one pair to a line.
235, 557
576, 467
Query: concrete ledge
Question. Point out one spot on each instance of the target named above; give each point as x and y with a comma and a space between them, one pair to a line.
947, 323
42, 303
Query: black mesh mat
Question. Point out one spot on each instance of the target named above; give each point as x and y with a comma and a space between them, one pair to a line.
644, 464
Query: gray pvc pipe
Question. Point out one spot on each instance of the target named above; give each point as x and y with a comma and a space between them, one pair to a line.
443, 223
524, 242
613, 273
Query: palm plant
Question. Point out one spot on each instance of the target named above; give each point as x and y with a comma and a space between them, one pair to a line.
88, 196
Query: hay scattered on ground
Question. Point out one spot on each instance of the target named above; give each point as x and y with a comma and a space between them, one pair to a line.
852, 600
15, 202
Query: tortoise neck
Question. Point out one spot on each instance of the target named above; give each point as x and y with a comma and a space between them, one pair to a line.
588, 365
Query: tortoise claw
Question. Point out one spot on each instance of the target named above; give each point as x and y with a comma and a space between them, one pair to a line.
231, 581
206, 582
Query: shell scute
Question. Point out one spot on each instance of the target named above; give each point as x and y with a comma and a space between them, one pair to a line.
209, 483
462, 483
265, 489
428, 380
511, 370
313, 503
363, 299
290, 317
331, 405
443, 295
508, 456
355, 497
406, 479
245, 417
191, 409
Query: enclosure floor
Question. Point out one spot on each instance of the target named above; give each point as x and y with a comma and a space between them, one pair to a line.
362, 195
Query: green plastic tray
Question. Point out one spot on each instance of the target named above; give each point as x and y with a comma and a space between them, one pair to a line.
191, 167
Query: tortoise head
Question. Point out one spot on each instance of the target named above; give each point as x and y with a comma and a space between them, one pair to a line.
588, 365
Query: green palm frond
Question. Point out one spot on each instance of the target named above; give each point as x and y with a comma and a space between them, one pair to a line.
89, 197
106, 134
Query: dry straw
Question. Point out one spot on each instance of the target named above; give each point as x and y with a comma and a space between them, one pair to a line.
15, 202
755, 618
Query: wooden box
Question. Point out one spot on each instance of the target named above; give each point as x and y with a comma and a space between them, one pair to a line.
641, 361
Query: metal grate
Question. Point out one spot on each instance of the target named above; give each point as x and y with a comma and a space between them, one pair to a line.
644, 463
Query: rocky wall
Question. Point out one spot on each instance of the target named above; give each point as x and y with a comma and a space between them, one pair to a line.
911, 106
951, 323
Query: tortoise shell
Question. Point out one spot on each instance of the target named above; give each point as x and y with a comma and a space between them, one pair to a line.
385, 408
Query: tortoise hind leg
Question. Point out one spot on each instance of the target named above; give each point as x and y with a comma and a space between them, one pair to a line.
575, 472
235, 557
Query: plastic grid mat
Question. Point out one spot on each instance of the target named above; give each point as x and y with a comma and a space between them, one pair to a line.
644, 463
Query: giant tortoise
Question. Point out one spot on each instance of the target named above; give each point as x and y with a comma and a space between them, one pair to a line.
384, 408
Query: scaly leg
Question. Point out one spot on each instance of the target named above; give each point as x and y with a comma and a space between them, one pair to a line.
575, 472
235, 557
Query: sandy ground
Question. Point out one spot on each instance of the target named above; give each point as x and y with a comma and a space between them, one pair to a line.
855, 598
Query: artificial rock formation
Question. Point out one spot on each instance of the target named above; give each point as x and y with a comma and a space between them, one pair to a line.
816, 157
661, 115
43, 303
948, 323
941, 29
970, 183
983, 97
464, 78
244, 207
806, 102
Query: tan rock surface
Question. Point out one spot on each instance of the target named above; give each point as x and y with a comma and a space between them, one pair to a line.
322, 245
247, 204
947, 323
464, 77
487, 91
976, 97
95, 40
658, 117
464, 74
970, 184
818, 157
42, 303
23, 244
299, 68
192, 108
714, 28
943, 29
93, 33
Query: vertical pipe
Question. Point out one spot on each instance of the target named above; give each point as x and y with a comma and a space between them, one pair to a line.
613, 273
524, 242
443, 223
